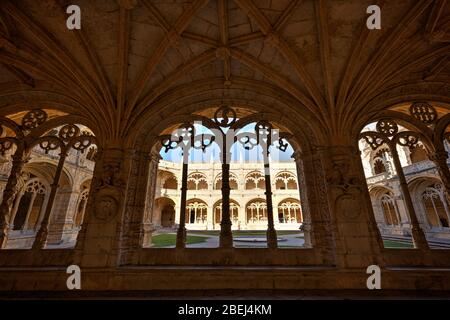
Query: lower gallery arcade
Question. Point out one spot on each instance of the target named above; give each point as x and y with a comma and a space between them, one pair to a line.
223, 160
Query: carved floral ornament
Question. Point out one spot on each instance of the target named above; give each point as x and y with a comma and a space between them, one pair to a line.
225, 126
26, 135
424, 112
387, 132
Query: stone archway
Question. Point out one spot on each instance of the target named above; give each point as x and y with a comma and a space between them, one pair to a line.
167, 216
164, 213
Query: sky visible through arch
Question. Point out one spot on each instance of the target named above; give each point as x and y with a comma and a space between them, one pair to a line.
238, 152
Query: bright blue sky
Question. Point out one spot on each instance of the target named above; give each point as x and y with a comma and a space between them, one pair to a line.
211, 153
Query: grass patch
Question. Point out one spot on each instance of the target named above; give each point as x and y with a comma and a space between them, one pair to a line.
397, 244
170, 239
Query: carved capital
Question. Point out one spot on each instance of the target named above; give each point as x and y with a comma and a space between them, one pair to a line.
341, 171
110, 171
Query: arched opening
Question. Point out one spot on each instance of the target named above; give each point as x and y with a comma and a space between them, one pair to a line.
390, 212
30, 205
56, 158
32, 200
435, 206
194, 150
432, 204
82, 203
256, 212
286, 181
170, 183
196, 213
254, 180
381, 161
290, 212
403, 211
234, 183
197, 181
234, 211
167, 216
164, 213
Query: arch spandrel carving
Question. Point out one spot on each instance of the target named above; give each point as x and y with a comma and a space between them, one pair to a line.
345, 185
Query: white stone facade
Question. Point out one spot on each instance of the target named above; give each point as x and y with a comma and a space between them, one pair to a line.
431, 203
248, 205
33, 192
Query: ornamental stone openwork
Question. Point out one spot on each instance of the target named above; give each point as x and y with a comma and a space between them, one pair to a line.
128, 129
424, 112
36, 130
226, 130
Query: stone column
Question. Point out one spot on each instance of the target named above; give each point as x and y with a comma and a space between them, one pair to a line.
41, 236
271, 233
315, 192
226, 236
358, 243
181, 232
440, 160
61, 224
242, 216
419, 239
105, 220
96, 176
18, 161
129, 223
374, 230
147, 223
306, 215
210, 215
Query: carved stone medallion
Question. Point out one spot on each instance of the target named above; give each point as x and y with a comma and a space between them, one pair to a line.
105, 207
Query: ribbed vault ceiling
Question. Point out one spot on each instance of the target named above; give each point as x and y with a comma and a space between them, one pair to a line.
131, 55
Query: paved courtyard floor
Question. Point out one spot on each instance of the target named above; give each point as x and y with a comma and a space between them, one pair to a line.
287, 240
251, 239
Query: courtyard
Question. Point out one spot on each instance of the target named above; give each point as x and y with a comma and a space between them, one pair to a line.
248, 239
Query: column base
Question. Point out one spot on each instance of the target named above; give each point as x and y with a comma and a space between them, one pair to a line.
181, 238
272, 241
226, 236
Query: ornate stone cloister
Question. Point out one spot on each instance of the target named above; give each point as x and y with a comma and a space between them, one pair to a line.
136, 78
46, 176
406, 180
246, 197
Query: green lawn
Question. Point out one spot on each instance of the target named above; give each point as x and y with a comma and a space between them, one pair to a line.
170, 239
397, 244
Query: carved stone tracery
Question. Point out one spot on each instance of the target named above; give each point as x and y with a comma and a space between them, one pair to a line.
25, 137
